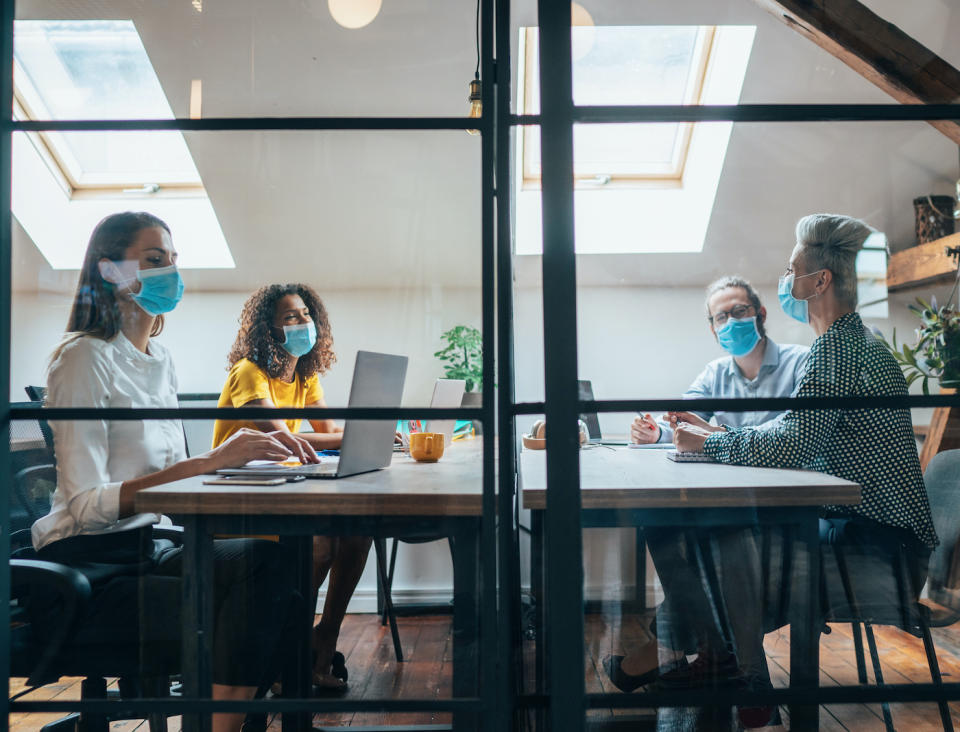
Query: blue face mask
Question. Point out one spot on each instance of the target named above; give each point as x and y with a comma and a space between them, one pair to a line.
299, 339
796, 309
160, 289
738, 336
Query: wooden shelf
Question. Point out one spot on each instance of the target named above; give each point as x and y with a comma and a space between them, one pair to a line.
926, 264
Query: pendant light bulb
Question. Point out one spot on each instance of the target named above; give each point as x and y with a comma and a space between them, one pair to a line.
354, 14
476, 103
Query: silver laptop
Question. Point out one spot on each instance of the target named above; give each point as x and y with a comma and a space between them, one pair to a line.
446, 393
367, 444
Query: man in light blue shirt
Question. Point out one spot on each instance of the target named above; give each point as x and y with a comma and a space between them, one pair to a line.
756, 366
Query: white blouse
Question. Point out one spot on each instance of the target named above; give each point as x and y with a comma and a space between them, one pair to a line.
94, 457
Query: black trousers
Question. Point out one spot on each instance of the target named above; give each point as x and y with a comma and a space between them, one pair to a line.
253, 595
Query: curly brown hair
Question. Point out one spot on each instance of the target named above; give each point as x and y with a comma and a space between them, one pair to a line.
256, 342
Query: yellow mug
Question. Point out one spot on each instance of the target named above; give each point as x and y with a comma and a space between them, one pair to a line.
426, 447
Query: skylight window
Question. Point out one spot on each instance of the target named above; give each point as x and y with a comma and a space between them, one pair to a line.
98, 69
64, 183
643, 187
622, 65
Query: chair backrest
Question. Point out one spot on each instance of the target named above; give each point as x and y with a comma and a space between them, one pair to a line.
942, 479
34, 478
198, 433
39, 394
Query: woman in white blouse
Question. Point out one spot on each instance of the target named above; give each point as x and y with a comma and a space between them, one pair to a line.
109, 358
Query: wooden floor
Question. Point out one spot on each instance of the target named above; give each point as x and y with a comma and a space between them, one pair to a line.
427, 674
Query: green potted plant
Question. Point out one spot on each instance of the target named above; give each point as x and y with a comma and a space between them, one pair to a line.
936, 352
463, 356
463, 359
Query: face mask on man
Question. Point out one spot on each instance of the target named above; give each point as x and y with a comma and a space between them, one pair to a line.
738, 336
299, 339
795, 308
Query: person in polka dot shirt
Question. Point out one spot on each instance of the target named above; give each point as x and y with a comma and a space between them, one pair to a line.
872, 447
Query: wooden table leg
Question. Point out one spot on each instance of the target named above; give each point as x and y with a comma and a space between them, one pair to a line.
804, 627
197, 639
298, 666
466, 618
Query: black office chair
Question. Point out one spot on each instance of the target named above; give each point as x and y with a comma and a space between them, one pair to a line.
387, 608
61, 626
914, 616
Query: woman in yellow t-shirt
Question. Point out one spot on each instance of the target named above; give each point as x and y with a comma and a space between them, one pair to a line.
283, 346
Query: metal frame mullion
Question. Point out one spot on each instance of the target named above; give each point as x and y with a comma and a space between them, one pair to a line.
488, 523
564, 559
6, 118
252, 124
620, 114
509, 644
750, 404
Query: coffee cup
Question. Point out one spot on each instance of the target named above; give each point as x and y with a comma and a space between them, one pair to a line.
426, 447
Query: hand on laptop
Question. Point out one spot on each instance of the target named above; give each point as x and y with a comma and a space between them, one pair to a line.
245, 445
298, 447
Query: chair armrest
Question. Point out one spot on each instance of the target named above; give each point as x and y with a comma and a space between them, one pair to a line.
66, 585
21, 480
170, 533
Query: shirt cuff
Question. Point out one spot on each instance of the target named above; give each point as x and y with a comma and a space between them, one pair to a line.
109, 502
716, 443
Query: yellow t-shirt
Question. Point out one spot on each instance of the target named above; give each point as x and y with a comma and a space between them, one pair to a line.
247, 381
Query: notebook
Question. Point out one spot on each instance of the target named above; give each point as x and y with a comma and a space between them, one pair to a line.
690, 457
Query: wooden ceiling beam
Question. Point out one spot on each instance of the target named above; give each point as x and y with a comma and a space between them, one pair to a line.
877, 50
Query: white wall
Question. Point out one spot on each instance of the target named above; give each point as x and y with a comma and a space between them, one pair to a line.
633, 342
199, 334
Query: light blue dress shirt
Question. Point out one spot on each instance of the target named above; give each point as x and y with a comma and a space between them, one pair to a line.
779, 376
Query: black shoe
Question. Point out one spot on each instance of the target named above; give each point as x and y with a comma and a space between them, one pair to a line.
338, 666
628, 682
706, 671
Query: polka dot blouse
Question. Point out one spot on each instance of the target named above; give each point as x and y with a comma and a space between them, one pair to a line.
872, 447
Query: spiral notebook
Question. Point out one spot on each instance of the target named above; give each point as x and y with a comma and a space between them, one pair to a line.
690, 457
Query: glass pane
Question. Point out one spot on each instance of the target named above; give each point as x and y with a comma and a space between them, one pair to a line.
98, 70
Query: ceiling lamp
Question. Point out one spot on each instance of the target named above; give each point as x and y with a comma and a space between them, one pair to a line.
582, 39
354, 13
475, 97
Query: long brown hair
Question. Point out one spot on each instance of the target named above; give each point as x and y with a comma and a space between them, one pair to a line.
256, 342
95, 309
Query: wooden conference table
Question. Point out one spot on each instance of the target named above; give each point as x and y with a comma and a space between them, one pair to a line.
641, 487
408, 498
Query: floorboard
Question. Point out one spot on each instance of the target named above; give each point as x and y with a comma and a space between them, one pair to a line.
427, 673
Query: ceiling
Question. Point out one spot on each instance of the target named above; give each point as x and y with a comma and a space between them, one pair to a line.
379, 210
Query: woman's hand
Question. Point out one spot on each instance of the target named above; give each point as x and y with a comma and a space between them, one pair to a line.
644, 430
691, 419
298, 446
245, 445
690, 437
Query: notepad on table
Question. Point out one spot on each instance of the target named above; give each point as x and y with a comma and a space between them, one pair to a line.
690, 457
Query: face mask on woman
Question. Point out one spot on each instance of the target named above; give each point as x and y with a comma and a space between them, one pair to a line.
796, 309
299, 339
738, 336
161, 288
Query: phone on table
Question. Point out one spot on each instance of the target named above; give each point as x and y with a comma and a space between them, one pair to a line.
240, 480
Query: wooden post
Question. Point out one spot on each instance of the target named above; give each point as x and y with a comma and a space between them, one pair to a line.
944, 431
